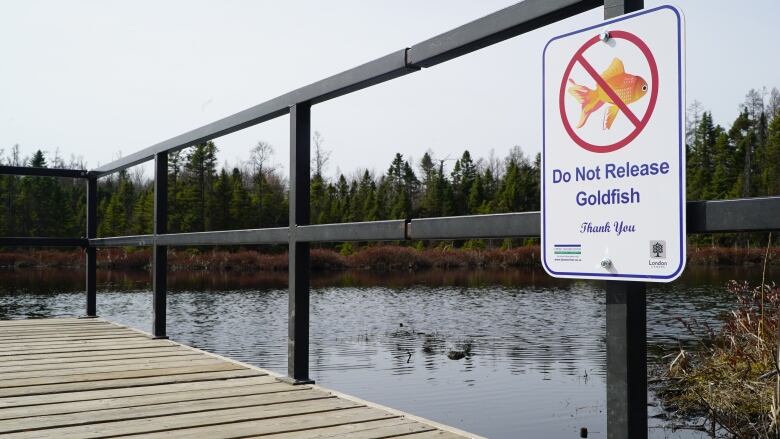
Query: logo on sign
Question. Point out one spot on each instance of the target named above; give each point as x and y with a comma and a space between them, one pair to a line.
658, 249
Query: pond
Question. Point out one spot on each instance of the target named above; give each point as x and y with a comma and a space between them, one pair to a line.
535, 346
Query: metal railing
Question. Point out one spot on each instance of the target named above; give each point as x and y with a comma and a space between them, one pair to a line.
626, 337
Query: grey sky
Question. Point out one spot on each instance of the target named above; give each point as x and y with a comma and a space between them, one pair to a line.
102, 78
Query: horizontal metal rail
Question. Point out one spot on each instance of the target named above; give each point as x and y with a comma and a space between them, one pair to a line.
43, 172
42, 242
506, 23
500, 225
394, 230
277, 235
737, 215
498, 26
123, 241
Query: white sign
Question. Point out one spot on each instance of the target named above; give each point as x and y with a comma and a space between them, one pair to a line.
613, 154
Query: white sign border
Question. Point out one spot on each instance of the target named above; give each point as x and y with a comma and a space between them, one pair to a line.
681, 156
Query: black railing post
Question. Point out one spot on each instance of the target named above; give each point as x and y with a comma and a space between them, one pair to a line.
160, 252
626, 360
626, 330
91, 252
298, 307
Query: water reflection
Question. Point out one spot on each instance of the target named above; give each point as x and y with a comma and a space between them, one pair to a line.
535, 366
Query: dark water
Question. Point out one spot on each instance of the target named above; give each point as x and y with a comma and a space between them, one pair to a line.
536, 367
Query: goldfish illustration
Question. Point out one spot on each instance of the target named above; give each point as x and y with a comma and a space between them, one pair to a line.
630, 88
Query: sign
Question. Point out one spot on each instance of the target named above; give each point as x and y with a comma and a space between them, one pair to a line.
613, 152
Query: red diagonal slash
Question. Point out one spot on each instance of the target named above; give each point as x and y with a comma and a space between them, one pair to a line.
639, 125
607, 89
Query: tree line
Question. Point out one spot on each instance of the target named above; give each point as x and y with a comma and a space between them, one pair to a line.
742, 160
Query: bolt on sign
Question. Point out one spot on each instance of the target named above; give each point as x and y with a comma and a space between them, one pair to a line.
613, 153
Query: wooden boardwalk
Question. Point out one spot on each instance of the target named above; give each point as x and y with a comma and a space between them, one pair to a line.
72, 378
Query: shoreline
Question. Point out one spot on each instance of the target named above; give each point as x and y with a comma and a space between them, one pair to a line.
370, 258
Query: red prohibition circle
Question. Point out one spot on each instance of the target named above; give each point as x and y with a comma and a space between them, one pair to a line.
638, 127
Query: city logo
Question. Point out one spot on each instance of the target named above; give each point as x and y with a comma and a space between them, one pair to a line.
658, 249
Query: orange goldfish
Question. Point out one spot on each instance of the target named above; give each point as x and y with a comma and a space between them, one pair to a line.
630, 88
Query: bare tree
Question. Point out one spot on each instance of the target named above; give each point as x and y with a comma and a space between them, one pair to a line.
773, 106
754, 103
517, 155
15, 156
138, 177
57, 162
321, 155
260, 157
494, 164
692, 121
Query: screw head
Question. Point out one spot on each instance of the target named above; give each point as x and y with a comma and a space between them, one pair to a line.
606, 263
604, 36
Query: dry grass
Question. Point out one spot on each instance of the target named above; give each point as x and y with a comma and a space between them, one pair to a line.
732, 379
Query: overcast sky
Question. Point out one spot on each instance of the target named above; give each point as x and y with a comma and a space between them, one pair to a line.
100, 79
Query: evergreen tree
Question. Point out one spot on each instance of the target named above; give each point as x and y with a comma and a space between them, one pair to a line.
770, 175
201, 171
701, 165
240, 208
219, 204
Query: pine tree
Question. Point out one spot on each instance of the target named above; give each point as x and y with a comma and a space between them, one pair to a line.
741, 139
240, 208
176, 205
770, 176
219, 204
700, 160
725, 171
201, 171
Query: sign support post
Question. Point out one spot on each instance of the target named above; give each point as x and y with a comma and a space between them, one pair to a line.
626, 330
626, 359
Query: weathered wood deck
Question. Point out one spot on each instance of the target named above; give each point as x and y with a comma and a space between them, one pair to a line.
72, 378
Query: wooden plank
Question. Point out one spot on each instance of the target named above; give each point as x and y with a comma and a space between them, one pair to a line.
67, 337
128, 382
213, 381
86, 362
79, 372
56, 320
83, 378
59, 332
55, 344
146, 400
363, 430
81, 323
61, 350
65, 341
62, 330
95, 355
436, 434
176, 422
298, 423
157, 410
58, 362
40, 323
10, 345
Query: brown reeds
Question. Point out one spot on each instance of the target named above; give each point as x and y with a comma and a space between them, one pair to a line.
385, 257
